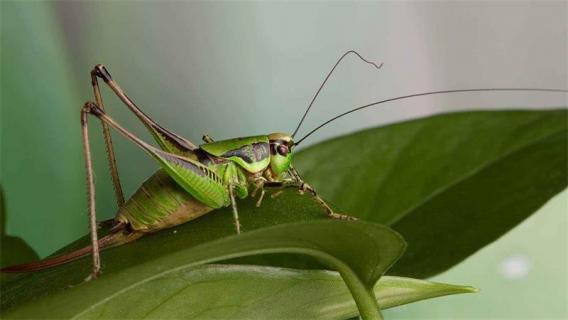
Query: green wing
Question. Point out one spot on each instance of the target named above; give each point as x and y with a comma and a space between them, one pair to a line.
199, 180
251, 153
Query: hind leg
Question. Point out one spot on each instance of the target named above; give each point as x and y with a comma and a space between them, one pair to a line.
91, 207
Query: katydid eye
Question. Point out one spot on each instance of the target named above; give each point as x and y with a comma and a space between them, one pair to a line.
282, 150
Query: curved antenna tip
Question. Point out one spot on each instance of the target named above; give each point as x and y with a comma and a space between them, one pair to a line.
377, 66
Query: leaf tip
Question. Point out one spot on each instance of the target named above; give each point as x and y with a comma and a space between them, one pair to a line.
470, 289
474, 290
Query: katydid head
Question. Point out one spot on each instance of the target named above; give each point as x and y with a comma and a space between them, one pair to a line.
280, 152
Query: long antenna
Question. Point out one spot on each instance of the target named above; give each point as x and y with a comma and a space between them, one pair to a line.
425, 94
327, 77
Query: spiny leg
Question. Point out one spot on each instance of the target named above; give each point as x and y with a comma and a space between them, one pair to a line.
330, 213
306, 187
168, 140
235, 210
91, 194
298, 182
108, 141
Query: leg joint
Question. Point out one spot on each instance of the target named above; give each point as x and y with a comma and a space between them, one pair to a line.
92, 108
101, 71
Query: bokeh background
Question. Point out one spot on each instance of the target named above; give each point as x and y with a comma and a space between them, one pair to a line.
243, 68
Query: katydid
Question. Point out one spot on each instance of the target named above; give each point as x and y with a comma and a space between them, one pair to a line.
193, 180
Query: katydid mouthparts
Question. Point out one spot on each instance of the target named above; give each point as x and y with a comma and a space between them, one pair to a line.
195, 180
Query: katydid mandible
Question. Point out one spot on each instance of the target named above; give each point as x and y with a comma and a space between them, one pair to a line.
194, 180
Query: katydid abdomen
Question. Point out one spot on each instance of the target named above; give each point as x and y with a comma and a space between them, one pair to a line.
158, 204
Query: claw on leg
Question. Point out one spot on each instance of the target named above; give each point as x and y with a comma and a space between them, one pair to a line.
93, 275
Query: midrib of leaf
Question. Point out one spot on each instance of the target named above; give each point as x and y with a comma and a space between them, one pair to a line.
483, 166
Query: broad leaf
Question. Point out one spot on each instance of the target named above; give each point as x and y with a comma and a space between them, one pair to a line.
361, 252
250, 292
450, 184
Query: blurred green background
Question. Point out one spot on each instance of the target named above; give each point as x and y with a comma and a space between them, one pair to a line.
242, 68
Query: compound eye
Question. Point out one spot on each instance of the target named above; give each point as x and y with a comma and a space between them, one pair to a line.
282, 150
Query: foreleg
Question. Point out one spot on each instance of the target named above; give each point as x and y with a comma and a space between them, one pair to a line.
297, 182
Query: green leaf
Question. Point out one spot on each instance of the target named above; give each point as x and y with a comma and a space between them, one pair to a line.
360, 251
250, 292
450, 184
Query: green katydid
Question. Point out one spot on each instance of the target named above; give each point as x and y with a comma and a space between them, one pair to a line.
193, 180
